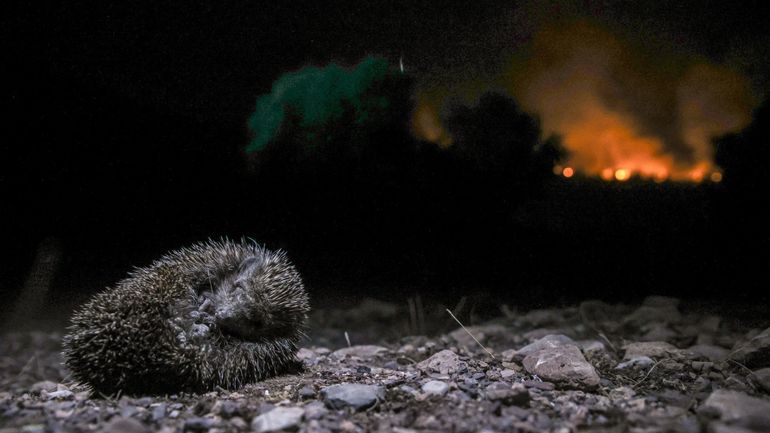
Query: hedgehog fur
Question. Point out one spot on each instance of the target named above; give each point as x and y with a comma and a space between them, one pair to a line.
219, 313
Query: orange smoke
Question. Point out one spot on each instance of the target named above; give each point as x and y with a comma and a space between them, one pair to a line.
620, 114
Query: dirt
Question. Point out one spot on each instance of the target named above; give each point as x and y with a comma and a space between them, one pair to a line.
657, 367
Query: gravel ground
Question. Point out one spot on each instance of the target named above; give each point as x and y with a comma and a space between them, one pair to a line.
654, 367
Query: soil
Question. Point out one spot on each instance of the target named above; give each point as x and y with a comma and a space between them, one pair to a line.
662, 366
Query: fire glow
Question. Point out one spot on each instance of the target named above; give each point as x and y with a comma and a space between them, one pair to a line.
620, 115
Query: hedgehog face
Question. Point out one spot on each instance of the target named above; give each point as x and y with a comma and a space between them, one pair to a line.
258, 301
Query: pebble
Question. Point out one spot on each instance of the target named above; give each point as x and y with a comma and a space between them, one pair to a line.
547, 342
60, 394
198, 424
315, 410
355, 395
444, 362
280, 418
45, 385
731, 406
435, 387
124, 425
515, 394
651, 349
562, 364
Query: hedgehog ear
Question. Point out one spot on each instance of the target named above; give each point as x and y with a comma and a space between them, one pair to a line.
248, 265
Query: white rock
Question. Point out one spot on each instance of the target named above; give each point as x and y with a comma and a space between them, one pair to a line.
435, 387
280, 418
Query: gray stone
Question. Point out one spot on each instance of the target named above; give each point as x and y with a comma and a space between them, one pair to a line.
562, 364
363, 351
588, 346
754, 353
435, 387
45, 385
508, 394
357, 396
60, 394
278, 419
198, 424
507, 373
307, 356
547, 342
735, 406
315, 410
710, 352
444, 362
124, 425
761, 378
159, 412
652, 349
306, 392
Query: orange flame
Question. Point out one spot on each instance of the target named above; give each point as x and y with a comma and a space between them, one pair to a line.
619, 116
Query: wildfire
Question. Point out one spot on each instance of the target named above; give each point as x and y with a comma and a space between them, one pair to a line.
618, 117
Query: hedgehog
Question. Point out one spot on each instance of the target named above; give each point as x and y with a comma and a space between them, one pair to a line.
216, 314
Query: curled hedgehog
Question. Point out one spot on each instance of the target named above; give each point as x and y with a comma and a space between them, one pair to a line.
219, 313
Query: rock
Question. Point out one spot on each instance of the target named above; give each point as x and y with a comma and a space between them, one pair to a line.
591, 346
159, 412
622, 393
353, 395
482, 333
278, 419
761, 378
435, 387
562, 364
637, 361
507, 373
710, 352
45, 385
733, 405
307, 356
444, 362
60, 394
515, 394
306, 392
652, 349
549, 341
754, 353
538, 384
315, 410
363, 351
124, 425
198, 424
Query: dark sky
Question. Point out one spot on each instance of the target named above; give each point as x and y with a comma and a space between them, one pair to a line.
211, 59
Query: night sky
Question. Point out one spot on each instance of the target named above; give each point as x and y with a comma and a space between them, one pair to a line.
127, 127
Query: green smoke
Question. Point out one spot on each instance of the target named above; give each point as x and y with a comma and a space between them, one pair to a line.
319, 95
